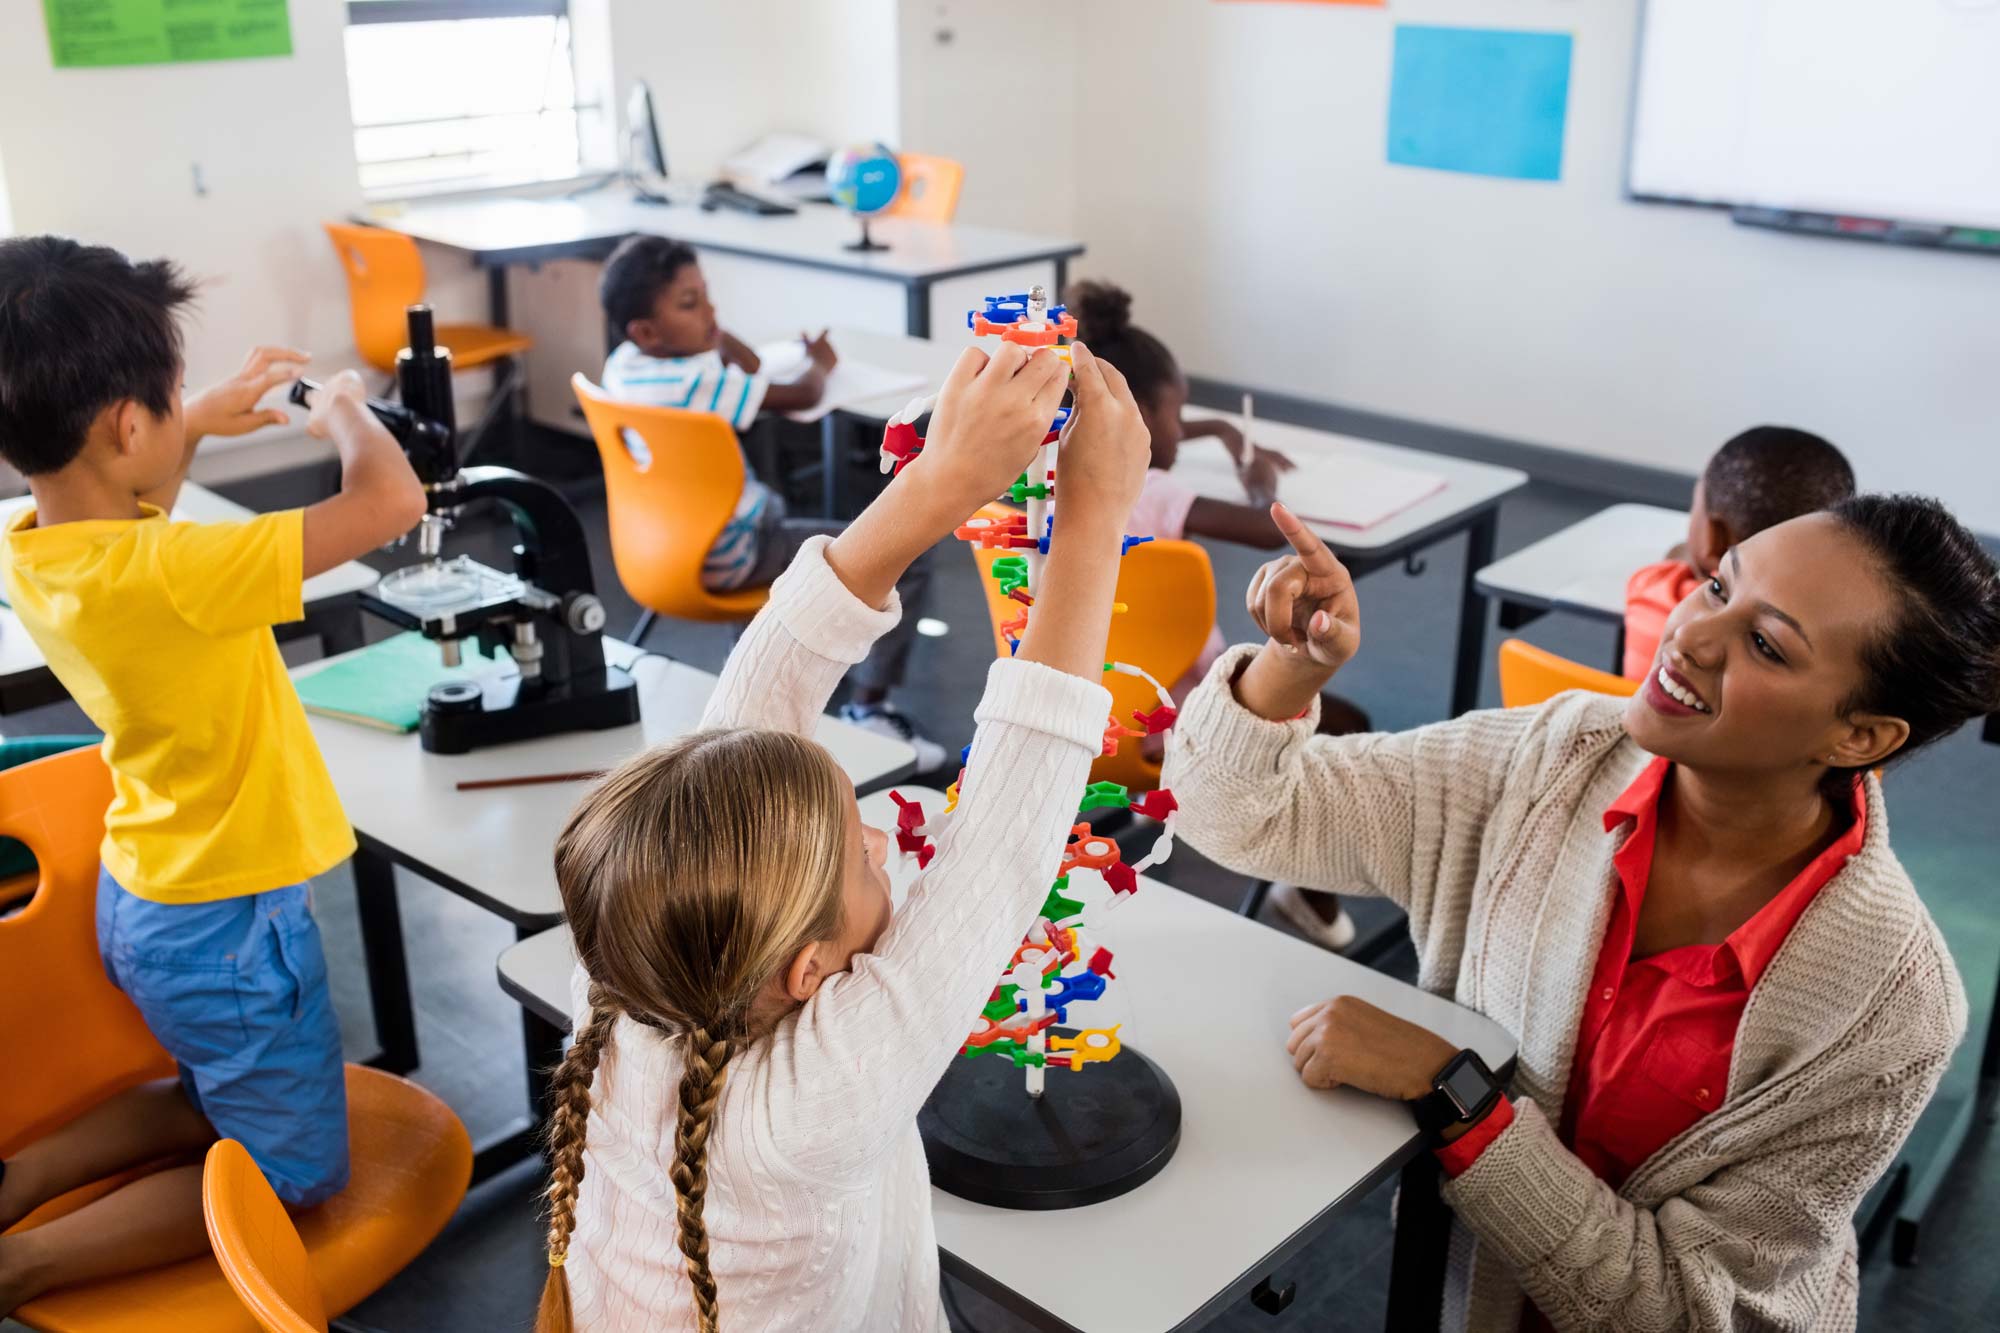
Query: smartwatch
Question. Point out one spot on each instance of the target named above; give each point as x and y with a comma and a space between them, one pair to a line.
1461, 1094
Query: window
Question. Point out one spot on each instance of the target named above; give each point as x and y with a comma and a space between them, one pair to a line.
461, 93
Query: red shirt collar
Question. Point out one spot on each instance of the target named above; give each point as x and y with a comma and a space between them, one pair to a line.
1757, 941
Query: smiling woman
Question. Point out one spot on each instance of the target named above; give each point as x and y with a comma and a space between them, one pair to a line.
1730, 1002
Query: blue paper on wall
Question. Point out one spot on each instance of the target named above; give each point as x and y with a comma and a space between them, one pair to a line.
1479, 100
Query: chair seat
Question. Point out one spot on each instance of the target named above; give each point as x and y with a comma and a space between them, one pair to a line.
739, 603
411, 1164
477, 344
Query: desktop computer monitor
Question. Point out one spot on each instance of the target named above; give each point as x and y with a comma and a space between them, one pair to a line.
645, 158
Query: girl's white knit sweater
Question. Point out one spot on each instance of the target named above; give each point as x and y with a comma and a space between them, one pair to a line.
818, 1209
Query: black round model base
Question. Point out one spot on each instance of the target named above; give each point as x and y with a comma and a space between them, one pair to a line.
1092, 1135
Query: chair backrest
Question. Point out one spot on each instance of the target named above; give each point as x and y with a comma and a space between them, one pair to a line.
70, 1038
1529, 675
256, 1245
1168, 589
385, 277
930, 188
666, 515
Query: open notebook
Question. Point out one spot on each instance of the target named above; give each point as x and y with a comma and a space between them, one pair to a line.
851, 381
1354, 492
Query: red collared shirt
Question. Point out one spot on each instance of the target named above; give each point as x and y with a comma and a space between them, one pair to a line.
1657, 1033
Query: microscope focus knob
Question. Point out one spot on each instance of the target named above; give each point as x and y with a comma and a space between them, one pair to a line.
584, 614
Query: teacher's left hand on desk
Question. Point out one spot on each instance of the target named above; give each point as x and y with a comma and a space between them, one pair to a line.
1348, 1042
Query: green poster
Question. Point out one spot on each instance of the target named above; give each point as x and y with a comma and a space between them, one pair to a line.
87, 33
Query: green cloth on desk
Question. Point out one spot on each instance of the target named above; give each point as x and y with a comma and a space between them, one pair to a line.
384, 685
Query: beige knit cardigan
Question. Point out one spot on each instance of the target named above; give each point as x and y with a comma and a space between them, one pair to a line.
1488, 831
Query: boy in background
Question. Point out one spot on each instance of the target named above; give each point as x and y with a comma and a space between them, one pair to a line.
221, 807
676, 354
1760, 478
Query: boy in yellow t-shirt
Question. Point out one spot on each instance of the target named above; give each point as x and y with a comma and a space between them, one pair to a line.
221, 807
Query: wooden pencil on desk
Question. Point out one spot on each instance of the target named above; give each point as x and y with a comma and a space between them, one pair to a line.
530, 780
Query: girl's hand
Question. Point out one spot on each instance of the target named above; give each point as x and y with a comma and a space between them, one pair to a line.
1259, 471
820, 352
991, 417
1305, 601
1348, 1042
1104, 458
230, 408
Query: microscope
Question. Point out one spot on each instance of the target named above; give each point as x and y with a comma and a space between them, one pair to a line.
545, 615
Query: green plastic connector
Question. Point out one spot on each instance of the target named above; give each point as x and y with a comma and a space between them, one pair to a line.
1105, 796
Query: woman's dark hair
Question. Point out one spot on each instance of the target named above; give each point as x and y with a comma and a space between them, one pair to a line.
1936, 665
634, 275
1104, 321
81, 327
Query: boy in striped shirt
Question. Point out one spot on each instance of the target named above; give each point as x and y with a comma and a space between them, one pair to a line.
676, 354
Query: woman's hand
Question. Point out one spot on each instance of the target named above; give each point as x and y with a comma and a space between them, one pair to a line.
991, 417
1305, 601
1348, 1042
230, 408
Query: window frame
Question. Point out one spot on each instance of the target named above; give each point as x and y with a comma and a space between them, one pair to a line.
363, 13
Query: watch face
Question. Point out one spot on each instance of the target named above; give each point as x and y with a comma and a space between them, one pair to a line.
1468, 1084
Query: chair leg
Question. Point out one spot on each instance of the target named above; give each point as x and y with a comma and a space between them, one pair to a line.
637, 638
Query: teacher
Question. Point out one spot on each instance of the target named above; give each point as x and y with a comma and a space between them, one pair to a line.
1730, 1003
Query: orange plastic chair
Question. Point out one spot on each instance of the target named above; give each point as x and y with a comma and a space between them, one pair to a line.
79, 1040
385, 277
1168, 589
666, 515
1530, 675
930, 188
256, 1245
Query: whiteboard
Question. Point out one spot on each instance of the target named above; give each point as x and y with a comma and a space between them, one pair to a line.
1870, 108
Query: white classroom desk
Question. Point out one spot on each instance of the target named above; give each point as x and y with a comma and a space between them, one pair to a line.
1583, 568
1469, 501
25, 679
495, 847
788, 273
1264, 1163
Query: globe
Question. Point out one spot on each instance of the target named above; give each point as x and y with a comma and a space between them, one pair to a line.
864, 179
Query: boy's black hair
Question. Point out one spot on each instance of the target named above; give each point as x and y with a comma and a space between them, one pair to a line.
1104, 322
634, 275
81, 327
1770, 474
1936, 664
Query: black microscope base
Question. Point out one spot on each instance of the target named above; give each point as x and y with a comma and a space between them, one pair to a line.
507, 713
1094, 1133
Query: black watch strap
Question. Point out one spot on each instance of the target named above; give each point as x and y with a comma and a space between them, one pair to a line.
1461, 1093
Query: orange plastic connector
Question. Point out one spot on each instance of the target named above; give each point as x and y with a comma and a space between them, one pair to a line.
1089, 850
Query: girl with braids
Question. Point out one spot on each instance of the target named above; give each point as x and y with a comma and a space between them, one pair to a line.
754, 1036
1169, 510
1730, 1002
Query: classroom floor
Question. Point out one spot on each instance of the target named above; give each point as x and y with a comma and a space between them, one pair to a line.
485, 1272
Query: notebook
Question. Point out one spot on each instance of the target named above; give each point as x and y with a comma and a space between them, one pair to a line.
1354, 492
848, 383
384, 684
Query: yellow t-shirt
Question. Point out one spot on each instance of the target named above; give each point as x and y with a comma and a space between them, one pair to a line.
161, 631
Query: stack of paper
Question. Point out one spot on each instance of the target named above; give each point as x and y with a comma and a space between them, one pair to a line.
1354, 492
385, 684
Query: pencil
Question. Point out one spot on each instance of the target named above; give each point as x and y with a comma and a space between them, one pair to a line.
530, 780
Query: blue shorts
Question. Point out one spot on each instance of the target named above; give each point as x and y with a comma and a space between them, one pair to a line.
236, 991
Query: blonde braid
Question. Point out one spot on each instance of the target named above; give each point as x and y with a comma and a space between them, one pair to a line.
701, 1087
568, 1117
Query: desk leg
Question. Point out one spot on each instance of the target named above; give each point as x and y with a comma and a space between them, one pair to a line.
1423, 1237
1472, 616
917, 310
831, 437
496, 296
388, 968
542, 1048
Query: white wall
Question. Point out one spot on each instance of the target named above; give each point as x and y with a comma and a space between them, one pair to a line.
1230, 170
1021, 147
110, 155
